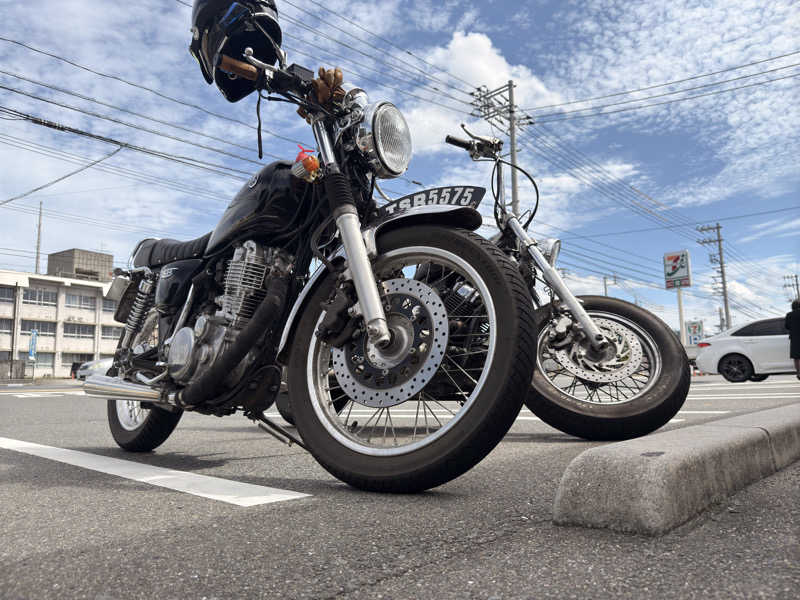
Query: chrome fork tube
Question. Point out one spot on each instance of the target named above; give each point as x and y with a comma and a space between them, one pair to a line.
369, 299
349, 225
553, 279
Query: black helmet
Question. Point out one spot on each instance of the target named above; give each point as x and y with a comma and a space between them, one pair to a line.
226, 27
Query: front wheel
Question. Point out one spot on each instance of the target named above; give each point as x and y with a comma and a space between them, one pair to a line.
632, 388
432, 404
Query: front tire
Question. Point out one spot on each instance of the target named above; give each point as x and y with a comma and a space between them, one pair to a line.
592, 404
407, 459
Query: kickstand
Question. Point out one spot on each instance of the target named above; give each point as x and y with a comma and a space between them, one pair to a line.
275, 430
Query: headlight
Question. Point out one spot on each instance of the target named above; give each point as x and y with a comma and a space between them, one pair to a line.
384, 139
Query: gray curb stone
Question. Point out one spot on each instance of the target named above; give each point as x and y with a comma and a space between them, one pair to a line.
651, 485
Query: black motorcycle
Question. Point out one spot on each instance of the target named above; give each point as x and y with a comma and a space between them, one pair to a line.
606, 369
408, 350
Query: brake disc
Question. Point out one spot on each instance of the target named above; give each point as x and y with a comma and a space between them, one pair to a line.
620, 360
384, 377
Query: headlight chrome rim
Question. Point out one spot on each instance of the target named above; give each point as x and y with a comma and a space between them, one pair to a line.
373, 147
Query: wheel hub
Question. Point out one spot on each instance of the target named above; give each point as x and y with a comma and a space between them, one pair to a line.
383, 377
619, 360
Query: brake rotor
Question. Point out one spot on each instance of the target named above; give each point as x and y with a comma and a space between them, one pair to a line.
384, 377
621, 359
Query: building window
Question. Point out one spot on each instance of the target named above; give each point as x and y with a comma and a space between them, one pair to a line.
5, 325
67, 358
78, 301
109, 306
43, 359
6, 294
39, 296
109, 332
45, 328
4, 354
78, 330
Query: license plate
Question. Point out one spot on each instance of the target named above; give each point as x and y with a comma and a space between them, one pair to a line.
453, 196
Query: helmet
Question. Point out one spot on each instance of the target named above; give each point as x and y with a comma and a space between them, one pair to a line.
226, 27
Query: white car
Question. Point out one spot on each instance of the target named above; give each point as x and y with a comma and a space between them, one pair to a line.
747, 352
94, 367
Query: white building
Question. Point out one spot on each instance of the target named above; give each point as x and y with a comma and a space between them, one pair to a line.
73, 320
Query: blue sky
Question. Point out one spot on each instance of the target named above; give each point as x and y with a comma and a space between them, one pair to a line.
602, 177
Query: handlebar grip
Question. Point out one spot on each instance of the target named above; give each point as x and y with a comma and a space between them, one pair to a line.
237, 67
454, 141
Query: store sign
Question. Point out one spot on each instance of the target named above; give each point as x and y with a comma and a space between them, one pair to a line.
694, 332
677, 270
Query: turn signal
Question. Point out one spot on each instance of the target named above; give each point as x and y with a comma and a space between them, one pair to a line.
306, 166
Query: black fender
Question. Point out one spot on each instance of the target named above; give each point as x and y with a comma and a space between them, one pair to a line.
462, 217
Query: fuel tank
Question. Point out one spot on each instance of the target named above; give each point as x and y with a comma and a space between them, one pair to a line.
265, 205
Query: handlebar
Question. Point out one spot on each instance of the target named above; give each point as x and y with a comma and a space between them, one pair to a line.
238, 67
458, 142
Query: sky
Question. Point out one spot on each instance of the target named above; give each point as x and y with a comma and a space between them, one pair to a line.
627, 167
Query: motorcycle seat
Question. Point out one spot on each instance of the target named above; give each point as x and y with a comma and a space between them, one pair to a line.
154, 253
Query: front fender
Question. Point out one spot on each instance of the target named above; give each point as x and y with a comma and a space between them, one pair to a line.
463, 217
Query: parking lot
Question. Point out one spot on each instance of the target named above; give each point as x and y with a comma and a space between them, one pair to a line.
77, 531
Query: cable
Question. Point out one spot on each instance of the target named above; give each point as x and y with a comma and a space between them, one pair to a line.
651, 87
619, 110
62, 178
383, 39
157, 153
51, 152
148, 89
140, 128
125, 110
681, 91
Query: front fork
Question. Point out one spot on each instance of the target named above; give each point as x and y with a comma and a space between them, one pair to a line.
551, 276
349, 226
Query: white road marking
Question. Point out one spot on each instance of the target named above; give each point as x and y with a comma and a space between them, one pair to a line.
740, 396
703, 412
746, 384
224, 490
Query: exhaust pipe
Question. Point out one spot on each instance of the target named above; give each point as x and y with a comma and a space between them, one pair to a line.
118, 389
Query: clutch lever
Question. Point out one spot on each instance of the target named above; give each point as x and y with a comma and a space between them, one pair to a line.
488, 147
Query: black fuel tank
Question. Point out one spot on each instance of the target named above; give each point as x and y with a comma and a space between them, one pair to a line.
265, 204
173, 284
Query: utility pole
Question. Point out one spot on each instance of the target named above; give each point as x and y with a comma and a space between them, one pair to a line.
605, 283
497, 106
719, 259
792, 284
39, 238
721, 320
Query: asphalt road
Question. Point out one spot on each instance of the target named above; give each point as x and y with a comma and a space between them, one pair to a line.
73, 532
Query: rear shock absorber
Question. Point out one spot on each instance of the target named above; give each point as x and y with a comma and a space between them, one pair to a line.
141, 306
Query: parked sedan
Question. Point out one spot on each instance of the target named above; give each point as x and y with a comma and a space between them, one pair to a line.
748, 352
94, 367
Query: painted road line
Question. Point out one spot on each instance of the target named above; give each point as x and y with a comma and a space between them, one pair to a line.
741, 396
224, 490
703, 412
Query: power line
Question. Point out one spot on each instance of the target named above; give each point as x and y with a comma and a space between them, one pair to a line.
62, 178
51, 152
217, 169
651, 87
149, 90
141, 128
619, 110
672, 93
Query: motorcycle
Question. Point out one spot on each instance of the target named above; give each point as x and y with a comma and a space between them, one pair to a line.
606, 369
408, 350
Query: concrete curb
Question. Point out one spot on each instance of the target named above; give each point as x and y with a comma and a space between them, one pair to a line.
653, 484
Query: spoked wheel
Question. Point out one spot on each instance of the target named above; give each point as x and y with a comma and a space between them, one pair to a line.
434, 402
636, 385
134, 427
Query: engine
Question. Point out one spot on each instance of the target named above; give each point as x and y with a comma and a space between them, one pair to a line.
194, 349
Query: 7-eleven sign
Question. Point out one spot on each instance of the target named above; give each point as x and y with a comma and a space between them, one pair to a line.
677, 269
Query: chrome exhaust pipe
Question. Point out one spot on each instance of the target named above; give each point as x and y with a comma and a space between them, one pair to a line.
114, 388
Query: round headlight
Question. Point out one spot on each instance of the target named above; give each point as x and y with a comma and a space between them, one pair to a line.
385, 140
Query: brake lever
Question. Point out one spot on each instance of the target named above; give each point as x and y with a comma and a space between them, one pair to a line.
493, 142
